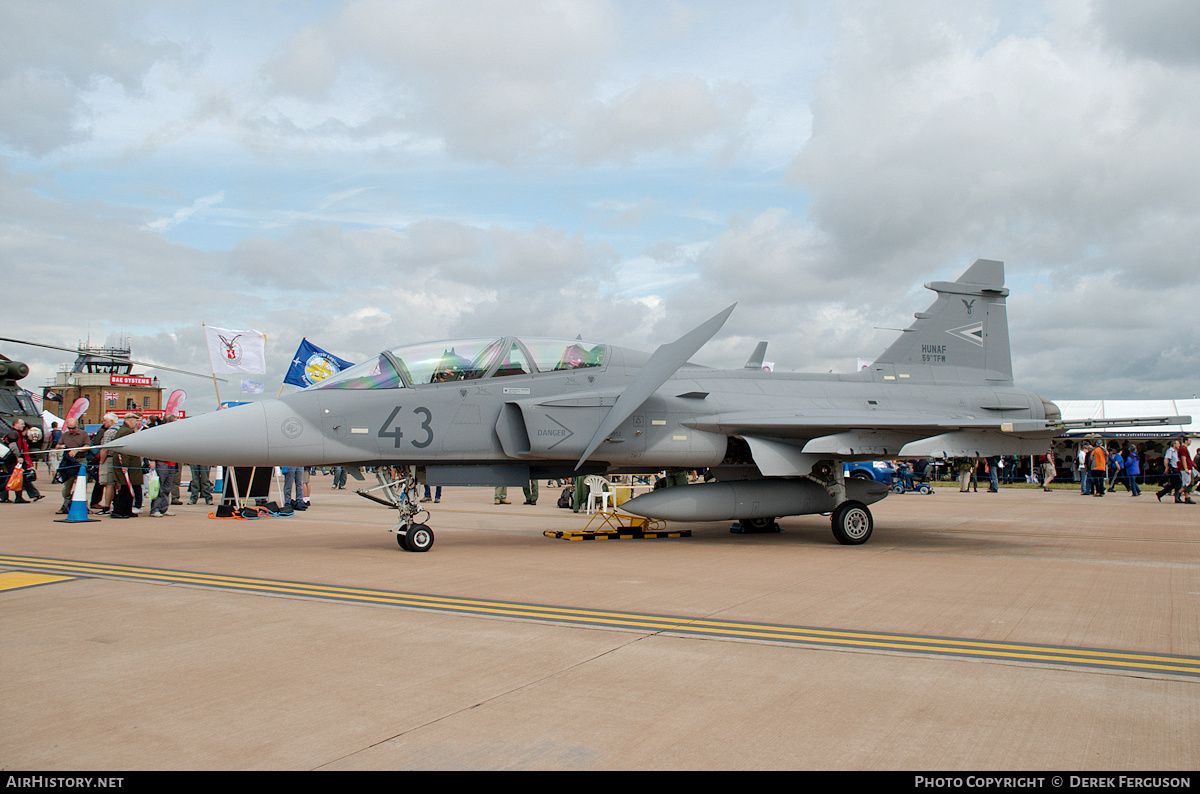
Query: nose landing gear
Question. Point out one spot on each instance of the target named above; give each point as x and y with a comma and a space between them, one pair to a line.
411, 534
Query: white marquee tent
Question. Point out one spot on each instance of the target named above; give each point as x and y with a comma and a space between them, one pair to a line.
1125, 409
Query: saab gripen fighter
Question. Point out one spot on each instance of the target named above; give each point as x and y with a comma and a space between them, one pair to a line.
500, 411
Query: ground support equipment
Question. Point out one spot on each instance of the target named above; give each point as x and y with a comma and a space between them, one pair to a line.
617, 526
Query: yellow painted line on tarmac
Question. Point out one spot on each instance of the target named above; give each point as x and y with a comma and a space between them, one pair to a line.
883, 533
15, 580
1046, 535
815, 637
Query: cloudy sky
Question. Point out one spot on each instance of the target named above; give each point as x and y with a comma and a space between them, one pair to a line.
369, 173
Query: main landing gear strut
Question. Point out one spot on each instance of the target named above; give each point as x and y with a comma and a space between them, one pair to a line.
851, 520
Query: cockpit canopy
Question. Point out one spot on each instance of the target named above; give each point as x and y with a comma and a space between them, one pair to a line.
466, 359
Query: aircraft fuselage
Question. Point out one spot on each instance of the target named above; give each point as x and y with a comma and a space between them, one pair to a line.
545, 420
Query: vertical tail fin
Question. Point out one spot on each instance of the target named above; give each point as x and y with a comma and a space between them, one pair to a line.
756, 358
962, 337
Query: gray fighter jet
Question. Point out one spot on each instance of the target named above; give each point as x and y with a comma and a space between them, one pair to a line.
500, 411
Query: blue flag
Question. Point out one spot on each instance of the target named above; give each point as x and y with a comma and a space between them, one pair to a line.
312, 365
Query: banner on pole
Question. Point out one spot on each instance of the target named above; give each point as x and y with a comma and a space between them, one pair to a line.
236, 351
311, 365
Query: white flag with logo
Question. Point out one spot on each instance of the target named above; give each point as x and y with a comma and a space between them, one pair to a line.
252, 387
236, 351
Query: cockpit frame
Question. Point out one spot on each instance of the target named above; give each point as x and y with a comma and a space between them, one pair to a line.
421, 366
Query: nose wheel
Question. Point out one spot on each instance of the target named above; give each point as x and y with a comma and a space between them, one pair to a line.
415, 537
411, 534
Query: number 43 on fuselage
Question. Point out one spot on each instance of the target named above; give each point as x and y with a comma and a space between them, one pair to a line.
500, 411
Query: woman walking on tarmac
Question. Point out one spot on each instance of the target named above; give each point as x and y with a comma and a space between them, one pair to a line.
18, 445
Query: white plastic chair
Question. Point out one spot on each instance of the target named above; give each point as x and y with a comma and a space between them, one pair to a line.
597, 486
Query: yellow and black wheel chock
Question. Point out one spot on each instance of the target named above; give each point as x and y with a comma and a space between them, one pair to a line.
616, 526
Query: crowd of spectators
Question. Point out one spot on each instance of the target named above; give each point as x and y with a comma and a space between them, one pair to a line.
121, 481
1096, 466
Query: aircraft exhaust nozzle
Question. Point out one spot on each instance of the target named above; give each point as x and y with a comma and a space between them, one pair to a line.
232, 437
728, 501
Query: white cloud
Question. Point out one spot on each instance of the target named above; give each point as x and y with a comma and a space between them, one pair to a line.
1042, 148
306, 67
51, 53
184, 213
676, 113
39, 111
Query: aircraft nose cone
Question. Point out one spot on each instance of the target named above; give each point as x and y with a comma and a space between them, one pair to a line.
233, 437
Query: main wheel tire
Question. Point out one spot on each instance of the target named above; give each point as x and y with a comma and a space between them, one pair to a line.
757, 524
420, 538
852, 523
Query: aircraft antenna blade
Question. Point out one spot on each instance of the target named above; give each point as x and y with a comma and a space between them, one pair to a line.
662, 364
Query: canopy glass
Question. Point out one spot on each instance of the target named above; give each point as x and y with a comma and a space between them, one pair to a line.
453, 360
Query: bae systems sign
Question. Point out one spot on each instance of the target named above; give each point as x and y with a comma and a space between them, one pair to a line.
129, 380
